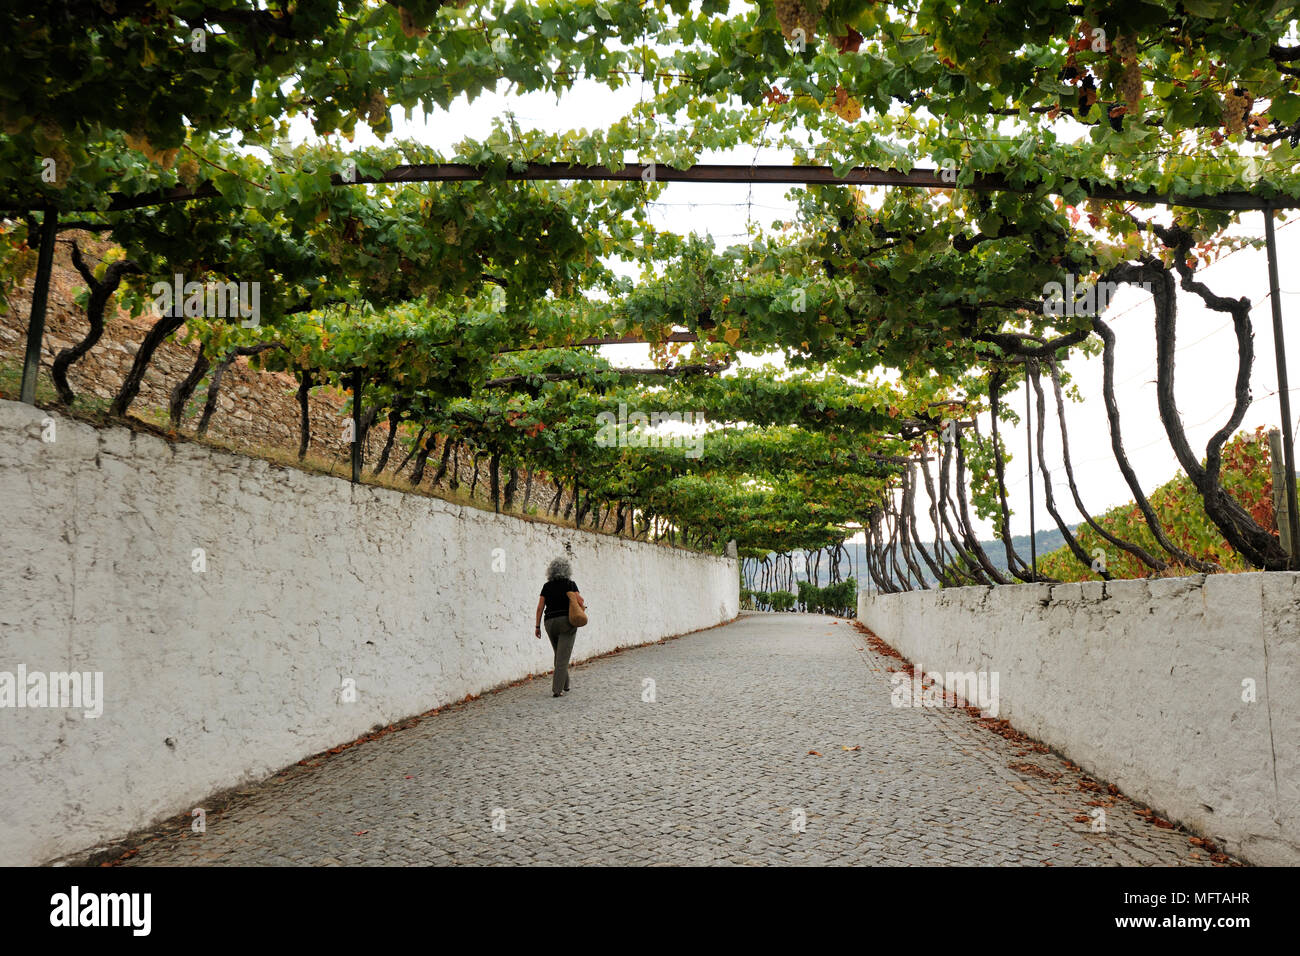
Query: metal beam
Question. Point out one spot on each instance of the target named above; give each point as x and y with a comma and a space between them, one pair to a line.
604, 340
1284, 394
356, 426
790, 175
40, 297
1029, 452
716, 173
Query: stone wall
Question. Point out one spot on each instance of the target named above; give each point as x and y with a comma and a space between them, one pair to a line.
256, 411
224, 675
1146, 684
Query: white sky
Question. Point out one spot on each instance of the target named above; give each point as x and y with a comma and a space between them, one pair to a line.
1206, 357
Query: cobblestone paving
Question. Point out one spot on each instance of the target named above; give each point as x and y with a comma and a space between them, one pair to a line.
715, 770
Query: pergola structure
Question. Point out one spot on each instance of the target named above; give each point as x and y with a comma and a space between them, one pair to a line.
722, 173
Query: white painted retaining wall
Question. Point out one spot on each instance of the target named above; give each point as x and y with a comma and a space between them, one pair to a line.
1140, 683
217, 678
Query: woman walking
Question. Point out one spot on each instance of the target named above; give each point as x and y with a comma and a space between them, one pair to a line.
554, 602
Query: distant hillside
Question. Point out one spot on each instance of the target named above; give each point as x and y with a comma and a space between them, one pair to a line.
1048, 541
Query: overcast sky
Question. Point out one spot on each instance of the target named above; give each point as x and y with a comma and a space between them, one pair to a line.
1206, 357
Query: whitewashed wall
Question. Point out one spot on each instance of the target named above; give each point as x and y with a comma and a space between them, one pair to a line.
1141, 684
217, 678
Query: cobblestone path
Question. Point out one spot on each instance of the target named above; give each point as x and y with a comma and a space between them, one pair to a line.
716, 769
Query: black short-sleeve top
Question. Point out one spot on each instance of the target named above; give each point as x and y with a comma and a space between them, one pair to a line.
557, 596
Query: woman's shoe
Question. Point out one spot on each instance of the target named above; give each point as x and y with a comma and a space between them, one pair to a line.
558, 695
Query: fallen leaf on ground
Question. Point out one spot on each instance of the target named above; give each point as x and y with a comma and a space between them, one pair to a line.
1035, 770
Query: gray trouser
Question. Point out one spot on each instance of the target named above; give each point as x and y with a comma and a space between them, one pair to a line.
561, 633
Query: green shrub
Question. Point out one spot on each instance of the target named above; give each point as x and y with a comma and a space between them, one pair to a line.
782, 600
839, 599
1246, 475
